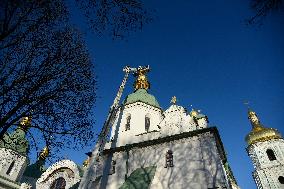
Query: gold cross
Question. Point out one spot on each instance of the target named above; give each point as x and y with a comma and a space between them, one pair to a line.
174, 100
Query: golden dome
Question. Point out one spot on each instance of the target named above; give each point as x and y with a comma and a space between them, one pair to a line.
193, 113
260, 133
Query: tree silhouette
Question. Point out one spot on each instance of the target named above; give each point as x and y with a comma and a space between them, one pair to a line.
262, 8
45, 68
117, 18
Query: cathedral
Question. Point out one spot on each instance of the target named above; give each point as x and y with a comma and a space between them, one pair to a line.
142, 146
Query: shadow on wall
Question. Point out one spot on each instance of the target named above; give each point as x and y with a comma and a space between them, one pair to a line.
196, 165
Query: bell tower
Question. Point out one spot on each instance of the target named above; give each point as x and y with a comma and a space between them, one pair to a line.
266, 149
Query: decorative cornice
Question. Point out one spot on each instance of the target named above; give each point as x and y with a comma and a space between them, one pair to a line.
14, 182
139, 102
212, 130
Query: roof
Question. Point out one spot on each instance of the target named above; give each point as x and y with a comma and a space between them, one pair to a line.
141, 95
260, 133
16, 141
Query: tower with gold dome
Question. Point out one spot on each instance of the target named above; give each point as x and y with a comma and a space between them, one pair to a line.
266, 149
149, 147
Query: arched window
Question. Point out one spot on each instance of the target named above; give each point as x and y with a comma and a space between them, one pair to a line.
59, 183
112, 169
270, 154
169, 159
147, 123
10, 168
281, 179
127, 125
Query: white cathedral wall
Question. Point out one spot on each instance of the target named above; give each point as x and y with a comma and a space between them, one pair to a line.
176, 123
202, 123
137, 111
267, 172
196, 164
267, 178
20, 163
173, 121
66, 169
257, 152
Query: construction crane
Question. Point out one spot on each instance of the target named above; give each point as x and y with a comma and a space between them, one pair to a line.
103, 136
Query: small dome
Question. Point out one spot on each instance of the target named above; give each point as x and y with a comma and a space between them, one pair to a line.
35, 170
260, 134
16, 141
141, 95
196, 114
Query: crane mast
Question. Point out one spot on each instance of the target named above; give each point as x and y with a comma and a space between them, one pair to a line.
102, 138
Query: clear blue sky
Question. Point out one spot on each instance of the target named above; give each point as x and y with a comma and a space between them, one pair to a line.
202, 52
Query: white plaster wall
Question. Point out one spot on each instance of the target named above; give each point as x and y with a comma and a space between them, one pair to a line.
260, 160
26, 186
197, 164
176, 123
174, 120
267, 172
268, 177
65, 168
202, 123
138, 111
7, 157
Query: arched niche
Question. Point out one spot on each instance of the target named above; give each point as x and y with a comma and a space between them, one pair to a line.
65, 171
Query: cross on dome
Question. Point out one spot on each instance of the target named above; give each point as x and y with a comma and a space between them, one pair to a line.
141, 78
174, 100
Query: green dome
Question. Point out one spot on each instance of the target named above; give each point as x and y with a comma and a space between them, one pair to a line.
141, 95
16, 141
35, 170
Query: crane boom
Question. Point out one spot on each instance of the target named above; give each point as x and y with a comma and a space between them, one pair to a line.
100, 144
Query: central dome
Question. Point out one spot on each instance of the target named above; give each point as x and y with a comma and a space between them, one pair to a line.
141, 95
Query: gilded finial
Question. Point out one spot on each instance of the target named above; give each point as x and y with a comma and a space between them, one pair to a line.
25, 122
174, 100
141, 81
44, 153
253, 119
86, 162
